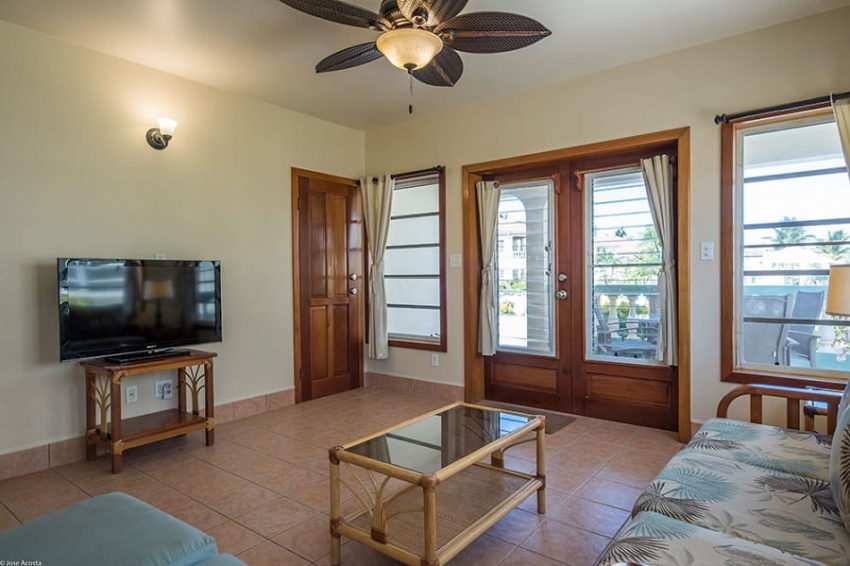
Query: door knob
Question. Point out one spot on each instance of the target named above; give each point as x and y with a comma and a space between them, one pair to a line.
561, 295
562, 277
353, 291
353, 277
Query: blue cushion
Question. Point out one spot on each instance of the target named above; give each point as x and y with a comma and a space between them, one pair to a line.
110, 529
222, 560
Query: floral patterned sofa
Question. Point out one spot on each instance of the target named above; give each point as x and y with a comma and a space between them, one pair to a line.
747, 494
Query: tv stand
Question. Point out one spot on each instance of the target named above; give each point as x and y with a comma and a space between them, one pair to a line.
144, 356
103, 400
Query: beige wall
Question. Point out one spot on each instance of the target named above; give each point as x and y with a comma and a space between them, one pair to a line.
78, 179
793, 61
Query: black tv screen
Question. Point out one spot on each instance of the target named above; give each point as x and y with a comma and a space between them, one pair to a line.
120, 306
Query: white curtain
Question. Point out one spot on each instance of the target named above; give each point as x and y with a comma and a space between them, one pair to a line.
841, 108
377, 205
488, 216
658, 175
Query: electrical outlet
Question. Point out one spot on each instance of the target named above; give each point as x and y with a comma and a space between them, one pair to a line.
455, 261
132, 393
160, 255
435, 360
164, 389
706, 251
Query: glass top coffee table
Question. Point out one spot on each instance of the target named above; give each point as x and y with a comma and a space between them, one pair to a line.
426, 488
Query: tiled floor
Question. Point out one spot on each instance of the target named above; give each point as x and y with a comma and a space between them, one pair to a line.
262, 490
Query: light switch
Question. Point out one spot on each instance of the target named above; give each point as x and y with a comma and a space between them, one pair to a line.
455, 260
706, 251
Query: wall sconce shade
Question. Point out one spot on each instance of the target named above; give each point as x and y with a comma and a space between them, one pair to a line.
158, 138
838, 291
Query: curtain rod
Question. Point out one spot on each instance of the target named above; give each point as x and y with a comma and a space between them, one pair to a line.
726, 118
436, 168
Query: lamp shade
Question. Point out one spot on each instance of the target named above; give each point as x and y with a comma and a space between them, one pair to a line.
838, 294
409, 48
166, 126
155, 290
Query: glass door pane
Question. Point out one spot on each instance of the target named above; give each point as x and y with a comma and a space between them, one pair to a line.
525, 233
623, 261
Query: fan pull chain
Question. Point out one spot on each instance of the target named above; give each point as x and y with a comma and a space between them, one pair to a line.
410, 106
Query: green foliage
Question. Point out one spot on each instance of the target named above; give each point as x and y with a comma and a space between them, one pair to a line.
790, 234
648, 251
836, 253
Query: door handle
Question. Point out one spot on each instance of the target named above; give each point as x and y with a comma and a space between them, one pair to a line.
561, 295
352, 291
562, 277
353, 277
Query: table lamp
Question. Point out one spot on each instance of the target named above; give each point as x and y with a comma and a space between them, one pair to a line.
838, 291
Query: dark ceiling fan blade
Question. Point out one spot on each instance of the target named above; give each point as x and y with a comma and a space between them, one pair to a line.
339, 12
430, 12
444, 70
350, 57
491, 32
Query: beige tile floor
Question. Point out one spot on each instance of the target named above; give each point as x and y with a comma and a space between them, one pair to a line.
262, 490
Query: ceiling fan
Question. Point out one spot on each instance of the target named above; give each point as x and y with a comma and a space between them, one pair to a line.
423, 36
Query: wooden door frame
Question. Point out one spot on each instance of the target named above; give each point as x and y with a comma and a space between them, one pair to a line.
296, 274
681, 137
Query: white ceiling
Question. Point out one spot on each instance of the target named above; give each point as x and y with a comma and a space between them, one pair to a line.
265, 49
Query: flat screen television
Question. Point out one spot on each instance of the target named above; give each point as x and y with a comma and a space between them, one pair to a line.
130, 308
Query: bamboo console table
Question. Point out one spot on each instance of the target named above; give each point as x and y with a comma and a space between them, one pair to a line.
103, 400
446, 495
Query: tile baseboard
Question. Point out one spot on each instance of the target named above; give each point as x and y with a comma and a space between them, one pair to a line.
418, 387
73, 450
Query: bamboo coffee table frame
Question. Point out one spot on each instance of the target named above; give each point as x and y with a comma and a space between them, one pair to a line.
375, 501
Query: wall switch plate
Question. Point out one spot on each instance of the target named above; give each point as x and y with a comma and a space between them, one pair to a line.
132, 393
435, 360
160, 255
164, 389
706, 251
455, 260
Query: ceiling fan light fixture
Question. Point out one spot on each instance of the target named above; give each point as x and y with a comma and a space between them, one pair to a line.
409, 48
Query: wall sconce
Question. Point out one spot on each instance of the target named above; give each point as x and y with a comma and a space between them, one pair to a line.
158, 138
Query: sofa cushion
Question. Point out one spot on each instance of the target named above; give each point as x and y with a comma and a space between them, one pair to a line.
114, 529
839, 466
794, 514
658, 540
770, 447
845, 399
222, 560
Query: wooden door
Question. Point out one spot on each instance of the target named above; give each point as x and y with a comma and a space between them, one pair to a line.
328, 266
616, 376
533, 364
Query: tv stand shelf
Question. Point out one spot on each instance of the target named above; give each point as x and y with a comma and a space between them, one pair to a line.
104, 424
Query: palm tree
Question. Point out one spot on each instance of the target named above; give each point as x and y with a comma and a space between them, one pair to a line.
790, 234
836, 253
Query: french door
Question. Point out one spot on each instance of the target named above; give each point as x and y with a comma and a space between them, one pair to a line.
579, 312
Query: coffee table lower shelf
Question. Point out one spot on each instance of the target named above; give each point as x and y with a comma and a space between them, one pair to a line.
467, 504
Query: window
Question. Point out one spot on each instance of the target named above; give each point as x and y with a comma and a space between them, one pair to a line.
788, 204
624, 257
526, 313
414, 274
